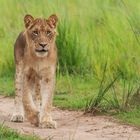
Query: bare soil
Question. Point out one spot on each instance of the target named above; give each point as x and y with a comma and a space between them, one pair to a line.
72, 125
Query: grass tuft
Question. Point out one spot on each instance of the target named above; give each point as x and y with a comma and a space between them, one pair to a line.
10, 134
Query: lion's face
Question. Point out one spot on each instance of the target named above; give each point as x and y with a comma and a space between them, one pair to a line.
41, 34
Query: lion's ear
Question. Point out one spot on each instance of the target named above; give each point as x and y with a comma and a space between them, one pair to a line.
27, 20
52, 21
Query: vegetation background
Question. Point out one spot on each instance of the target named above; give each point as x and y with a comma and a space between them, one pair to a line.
99, 52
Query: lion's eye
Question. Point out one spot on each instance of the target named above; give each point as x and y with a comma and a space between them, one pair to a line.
35, 33
48, 33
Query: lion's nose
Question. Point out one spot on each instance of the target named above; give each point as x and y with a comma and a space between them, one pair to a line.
42, 45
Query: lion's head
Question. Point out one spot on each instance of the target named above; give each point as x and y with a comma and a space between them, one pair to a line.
40, 34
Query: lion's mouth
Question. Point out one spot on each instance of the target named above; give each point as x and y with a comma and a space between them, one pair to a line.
41, 51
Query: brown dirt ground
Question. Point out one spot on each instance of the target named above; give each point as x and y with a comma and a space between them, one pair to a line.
72, 125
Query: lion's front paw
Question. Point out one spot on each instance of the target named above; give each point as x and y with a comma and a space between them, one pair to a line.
17, 118
48, 124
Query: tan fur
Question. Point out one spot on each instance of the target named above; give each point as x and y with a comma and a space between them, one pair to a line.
35, 58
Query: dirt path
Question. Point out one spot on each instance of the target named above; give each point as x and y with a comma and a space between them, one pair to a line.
72, 126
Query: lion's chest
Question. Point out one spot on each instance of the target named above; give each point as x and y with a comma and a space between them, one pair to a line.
39, 70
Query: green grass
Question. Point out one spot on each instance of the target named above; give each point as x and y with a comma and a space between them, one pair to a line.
71, 92
7, 86
9, 134
132, 117
92, 33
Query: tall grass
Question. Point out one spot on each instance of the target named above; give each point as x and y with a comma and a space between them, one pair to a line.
117, 94
91, 33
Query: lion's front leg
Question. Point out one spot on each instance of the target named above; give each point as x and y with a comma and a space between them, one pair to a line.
31, 111
47, 88
18, 115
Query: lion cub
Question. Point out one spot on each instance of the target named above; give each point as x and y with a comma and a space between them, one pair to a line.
35, 56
